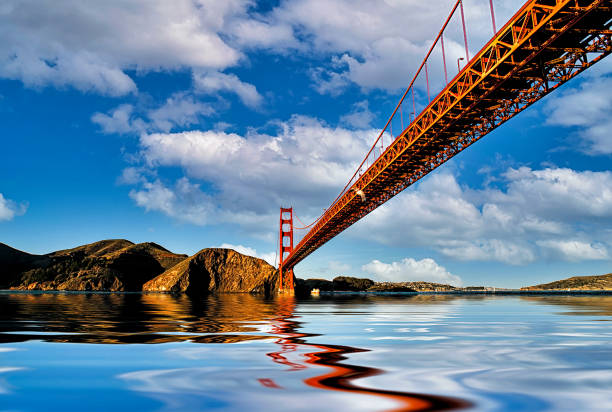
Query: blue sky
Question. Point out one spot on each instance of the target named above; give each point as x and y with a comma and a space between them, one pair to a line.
189, 123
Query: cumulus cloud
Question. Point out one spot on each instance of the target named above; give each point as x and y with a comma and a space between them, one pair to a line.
185, 201
588, 108
302, 164
106, 40
9, 209
410, 270
371, 41
249, 251
531, 215
119, 120
556, 212
215, 82
360, 117
178, 111
91, 45
575, 250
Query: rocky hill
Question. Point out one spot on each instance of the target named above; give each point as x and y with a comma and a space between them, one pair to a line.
602, 282
217, 270
108, 265
120, 265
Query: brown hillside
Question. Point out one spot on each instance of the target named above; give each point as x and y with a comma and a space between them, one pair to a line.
217, 270
602, 282
108, 265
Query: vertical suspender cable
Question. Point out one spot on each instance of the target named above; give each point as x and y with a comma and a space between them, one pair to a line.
493, 17
444, 59
467, 53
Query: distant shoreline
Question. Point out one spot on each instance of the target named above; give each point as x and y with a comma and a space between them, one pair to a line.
342, 293
479, 292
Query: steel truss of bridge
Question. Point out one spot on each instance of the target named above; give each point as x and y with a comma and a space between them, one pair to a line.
545, 44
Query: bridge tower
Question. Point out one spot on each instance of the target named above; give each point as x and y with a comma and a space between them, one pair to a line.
285, 247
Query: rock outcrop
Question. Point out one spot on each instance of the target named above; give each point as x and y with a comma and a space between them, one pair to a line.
217, 270
602, 282
351, 284
303, 287
108, 265
347, 283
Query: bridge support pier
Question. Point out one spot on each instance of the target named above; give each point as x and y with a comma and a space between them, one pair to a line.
285, 247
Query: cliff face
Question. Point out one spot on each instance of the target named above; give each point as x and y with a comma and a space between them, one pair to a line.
348, 283
108, 265
603, 282
217, 270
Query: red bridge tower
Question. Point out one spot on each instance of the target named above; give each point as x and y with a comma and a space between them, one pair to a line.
285, 247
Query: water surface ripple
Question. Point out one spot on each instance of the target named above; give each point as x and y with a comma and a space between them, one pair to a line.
63, 351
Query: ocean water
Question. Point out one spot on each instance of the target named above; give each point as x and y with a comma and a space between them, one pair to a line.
154, 352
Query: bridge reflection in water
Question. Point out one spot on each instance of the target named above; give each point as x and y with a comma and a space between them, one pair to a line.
224, 319
342, 376
243, 352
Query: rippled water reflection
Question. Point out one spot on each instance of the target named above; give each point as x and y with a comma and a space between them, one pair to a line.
242, 352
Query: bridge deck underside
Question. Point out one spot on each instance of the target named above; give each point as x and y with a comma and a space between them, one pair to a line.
544, 45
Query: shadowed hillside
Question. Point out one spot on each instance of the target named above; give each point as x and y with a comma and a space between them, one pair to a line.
114, 264
120, 265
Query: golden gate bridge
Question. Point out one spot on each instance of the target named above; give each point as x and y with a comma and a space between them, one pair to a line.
545, 44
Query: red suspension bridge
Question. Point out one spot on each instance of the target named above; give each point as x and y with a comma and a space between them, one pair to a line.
545, 44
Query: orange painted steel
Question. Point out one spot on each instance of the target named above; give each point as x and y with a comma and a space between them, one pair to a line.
545, 44
286, 233
338, 375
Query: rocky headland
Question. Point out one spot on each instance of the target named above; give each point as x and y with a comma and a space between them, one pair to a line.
118, 265
216, 270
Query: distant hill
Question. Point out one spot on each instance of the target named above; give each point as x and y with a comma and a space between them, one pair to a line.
602, 282
352, 284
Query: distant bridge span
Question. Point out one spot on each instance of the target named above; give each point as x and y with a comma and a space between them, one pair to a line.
545, 44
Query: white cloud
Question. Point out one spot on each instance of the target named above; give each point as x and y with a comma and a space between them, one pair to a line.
537, 213
409, 270
9, 209
184, 202
587, 108
178, 111
213, 82
575, 250
106, 40
119, 120
270, 257
360, 117
90, 45
254, 33
371, 37
303, 164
